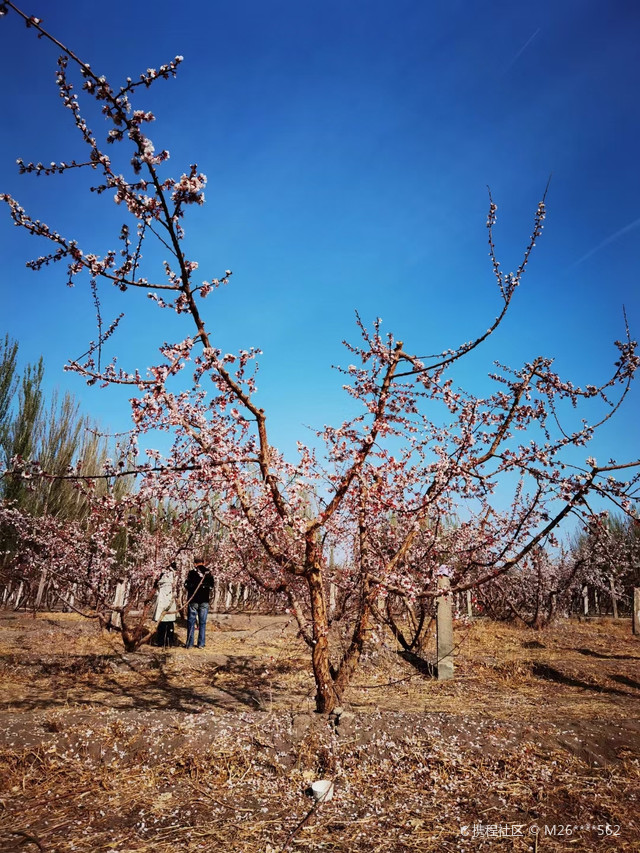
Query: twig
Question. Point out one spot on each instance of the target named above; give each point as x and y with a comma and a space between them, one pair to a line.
304, 820
27, 838
221, 802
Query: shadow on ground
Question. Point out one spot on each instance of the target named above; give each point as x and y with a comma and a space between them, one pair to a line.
543, 670
145, 681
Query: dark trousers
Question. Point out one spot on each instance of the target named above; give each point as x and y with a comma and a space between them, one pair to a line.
165, 635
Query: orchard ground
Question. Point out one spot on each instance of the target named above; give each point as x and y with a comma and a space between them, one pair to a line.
535, 745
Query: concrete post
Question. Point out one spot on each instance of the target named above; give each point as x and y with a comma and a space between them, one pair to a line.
16, 603
636, 611
614, 598
333, 595
41, 586
70, 600
444, 630
585, 600
118, 601
216, 595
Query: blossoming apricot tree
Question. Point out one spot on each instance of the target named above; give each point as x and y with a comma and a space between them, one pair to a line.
380, 489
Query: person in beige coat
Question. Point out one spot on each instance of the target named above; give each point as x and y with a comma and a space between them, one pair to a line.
165, 609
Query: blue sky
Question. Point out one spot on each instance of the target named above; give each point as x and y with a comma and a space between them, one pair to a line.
348, 146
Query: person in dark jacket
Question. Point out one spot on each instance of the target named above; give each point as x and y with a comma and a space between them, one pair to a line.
199, 584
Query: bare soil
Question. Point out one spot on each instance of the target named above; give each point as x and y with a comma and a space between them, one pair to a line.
534, 746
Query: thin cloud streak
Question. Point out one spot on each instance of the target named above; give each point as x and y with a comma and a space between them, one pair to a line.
522, 49
607, 241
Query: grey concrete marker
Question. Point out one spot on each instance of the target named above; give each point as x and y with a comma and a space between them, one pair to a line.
444, 630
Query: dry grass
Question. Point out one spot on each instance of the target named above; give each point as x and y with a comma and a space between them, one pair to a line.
215, 750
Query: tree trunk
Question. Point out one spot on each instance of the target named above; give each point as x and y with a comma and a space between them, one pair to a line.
326, 696
416, 624
136, 634
351, 659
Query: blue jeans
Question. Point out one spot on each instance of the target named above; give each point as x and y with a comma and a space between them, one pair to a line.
199, 612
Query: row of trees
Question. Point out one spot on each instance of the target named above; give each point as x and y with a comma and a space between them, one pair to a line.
34, 434
97, 544
379, 489
595, 573
65, 534
105, 566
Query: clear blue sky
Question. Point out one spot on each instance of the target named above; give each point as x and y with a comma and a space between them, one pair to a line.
348, 145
